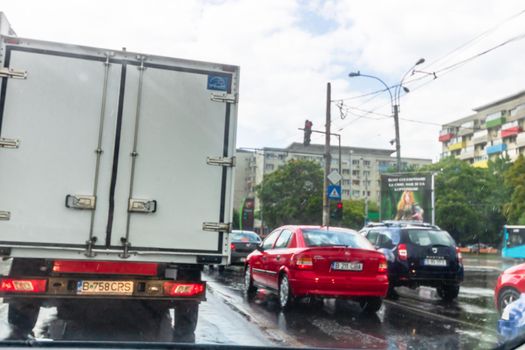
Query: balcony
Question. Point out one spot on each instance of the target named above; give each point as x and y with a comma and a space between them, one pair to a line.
466, 128
520, 139
496, 148
466, 154
456, 146
446, 137
494, 122
510, 129
481, 164
480, 137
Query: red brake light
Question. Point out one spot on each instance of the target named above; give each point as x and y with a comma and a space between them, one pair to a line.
459, 256
402, 251
232, 246
22, 285
105, 267
304, 262
181, 289
383, 267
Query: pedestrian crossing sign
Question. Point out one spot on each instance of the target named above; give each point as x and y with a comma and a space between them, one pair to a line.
334, 192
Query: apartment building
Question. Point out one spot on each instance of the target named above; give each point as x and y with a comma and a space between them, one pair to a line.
360, 167
494, 130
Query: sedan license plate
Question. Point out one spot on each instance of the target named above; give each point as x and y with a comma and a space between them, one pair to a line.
347, 266
104, 287
435, 262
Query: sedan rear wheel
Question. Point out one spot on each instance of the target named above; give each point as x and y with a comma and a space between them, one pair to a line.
249, 288
371, 304
285, 294
507, 296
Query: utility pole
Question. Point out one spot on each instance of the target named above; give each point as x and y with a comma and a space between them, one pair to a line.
398, 142
327, 158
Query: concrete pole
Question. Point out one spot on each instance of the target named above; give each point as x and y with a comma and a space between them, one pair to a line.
327, 159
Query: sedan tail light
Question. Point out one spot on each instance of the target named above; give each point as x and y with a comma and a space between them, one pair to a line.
22, 285
402, 252
459, 256
304, 262
383, 267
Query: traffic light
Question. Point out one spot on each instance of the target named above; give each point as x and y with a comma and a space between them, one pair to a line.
307, 132
337, 213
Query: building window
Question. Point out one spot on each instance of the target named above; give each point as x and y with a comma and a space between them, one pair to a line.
366, 173
346, 193
355, 182
355, 162
346, 182
366, 163
346, 171
355, 193
355, 172
269, 167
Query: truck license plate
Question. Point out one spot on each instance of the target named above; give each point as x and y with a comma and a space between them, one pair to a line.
348, 266
435, 262
105, 287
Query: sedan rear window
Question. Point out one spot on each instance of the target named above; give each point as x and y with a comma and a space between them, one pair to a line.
430, 238
245, 237
326, 238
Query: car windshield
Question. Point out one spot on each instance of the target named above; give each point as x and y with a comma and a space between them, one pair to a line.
194, 173
430, 238
327, 238
245, 237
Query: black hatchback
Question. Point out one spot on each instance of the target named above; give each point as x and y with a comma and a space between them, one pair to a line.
419, 256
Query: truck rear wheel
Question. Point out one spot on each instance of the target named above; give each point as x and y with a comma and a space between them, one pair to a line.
186, 316
22, 316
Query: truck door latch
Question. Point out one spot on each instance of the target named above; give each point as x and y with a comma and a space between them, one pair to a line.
221, 161
12, 73
74, 201
5, 215
9, 143
216, 226
145, 206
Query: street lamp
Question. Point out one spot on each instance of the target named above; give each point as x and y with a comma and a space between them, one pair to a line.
394, 102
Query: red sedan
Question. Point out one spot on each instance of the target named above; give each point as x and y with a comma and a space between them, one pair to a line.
314, 261
511, 283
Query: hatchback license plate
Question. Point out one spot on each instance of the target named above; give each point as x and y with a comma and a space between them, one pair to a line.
435, 262
347, 266
105, 287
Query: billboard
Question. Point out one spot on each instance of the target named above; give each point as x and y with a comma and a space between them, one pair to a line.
406, 197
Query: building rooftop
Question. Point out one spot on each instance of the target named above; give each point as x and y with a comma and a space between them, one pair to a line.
500, 101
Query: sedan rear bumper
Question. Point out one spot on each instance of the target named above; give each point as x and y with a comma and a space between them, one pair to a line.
309, 283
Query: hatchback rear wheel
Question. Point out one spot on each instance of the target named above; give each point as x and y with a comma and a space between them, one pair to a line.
507, 296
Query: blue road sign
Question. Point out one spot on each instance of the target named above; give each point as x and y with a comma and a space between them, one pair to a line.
334, 192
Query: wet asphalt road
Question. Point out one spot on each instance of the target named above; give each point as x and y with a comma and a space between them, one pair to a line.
417, 319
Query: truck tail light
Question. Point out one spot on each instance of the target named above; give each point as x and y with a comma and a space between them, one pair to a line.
383, 267
22, 285
459, 256
304, 262
105, 267
402, 252
183, 289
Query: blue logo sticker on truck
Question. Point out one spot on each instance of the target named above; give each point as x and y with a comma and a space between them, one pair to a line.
218, 82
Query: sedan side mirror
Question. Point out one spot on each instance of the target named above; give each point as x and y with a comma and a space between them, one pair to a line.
260, 247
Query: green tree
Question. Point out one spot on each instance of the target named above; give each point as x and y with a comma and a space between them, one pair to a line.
292, 194
354, 213
514, 179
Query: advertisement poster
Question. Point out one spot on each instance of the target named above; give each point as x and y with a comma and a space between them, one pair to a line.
406, 197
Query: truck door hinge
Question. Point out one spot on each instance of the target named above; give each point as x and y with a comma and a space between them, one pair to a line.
12, 73
9, 143
221, 161
5, 215
224, 97
216, 226
142, 206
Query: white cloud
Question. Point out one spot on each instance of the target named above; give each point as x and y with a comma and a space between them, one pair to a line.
285, 65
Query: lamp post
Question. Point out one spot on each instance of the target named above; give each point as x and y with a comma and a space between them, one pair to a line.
394, 102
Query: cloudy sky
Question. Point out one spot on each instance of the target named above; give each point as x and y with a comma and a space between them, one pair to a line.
289, 49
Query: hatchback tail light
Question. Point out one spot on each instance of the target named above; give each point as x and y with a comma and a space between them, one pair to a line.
402, 252
178, 289
459, 256
22, 285
304, 262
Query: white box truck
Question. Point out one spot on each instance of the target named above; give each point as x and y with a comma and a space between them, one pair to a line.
116, 177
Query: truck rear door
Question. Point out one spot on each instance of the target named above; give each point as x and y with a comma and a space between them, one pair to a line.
115, 152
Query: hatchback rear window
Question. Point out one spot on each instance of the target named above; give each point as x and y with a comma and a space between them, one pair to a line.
325, 238
245, 237
430, 238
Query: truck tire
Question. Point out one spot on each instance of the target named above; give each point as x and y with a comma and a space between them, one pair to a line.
22, 316
186, 316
